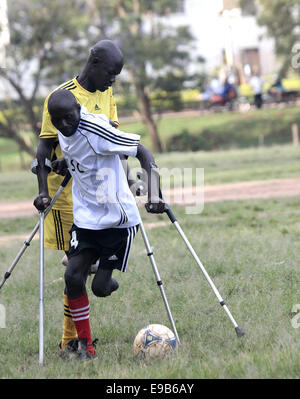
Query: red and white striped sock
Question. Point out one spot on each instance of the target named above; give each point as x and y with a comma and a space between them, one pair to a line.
80, 312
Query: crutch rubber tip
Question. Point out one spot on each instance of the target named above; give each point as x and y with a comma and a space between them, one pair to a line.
239, 332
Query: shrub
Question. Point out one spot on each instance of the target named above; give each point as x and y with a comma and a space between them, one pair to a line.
207, 140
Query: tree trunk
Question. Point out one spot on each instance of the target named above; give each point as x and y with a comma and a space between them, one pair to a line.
10, 133
24, 147
144, 104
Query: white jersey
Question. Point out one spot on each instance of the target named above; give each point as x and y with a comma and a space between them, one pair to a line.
101, 195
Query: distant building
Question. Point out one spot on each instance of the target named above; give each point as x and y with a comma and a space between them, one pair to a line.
246, 46
226, 35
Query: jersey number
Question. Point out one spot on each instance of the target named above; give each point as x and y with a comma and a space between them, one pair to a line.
74, 242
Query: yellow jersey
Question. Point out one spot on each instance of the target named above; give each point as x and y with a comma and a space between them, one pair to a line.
95, 102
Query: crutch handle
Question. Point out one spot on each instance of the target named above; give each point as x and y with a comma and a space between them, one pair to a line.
66, 179
62, 186
168, 209
170, 214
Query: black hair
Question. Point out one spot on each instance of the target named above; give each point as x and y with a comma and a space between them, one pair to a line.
60, 97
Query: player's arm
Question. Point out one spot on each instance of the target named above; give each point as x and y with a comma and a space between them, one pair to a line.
126, 168
48, 137
44, 149
137, 188
155, 203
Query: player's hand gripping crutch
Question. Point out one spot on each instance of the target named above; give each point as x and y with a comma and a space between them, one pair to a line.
34, 231
172, 218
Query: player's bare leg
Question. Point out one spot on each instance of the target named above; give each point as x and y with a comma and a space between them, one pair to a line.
69, 339
75, 278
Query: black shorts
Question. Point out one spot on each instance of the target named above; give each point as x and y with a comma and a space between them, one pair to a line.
112, 246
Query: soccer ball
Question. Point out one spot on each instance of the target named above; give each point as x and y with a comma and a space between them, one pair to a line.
154, 341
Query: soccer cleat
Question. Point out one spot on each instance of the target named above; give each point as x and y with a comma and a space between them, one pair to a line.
83, 353
70, 349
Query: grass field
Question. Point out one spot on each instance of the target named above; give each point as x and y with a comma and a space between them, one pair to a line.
11, 159
251, 251
249, 248
219, 167
226, 130
219, 131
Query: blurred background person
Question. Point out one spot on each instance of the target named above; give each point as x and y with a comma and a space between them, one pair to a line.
256, 83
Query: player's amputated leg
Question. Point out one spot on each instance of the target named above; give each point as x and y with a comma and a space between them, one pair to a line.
103, 283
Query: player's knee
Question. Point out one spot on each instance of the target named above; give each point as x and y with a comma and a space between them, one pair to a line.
74, 281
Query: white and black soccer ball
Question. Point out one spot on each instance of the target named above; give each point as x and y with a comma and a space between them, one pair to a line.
154, 341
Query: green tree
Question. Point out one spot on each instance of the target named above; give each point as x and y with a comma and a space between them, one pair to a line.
46, 39
156, 54
49, 42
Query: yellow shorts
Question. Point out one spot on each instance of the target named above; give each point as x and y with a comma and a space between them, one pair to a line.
57, 226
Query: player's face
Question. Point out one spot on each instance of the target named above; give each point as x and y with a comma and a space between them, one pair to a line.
103, 74
66, 120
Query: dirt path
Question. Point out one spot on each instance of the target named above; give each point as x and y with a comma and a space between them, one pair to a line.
16, 209
186, 196
216, 193
238, 191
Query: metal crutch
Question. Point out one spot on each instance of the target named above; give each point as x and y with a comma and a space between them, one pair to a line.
158, 279
34, 231
238, 330
41, 290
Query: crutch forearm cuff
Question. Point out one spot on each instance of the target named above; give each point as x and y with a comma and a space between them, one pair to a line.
35, 164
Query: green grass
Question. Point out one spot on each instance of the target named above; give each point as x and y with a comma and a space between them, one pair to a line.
230, 166
17, 225
219, 167
11, 158
16, 186
217, 131
250, 250
227, 130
